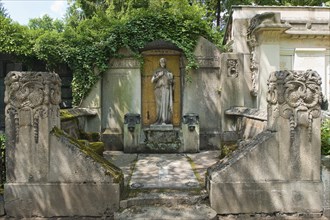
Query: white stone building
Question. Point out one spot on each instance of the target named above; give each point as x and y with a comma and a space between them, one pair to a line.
275, 38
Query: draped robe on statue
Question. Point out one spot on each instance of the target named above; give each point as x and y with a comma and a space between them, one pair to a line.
163, 80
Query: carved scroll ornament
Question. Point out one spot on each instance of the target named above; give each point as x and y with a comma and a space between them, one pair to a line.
33, 92
293, 92
254, 65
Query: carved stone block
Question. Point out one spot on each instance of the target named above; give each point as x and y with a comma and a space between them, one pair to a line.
32, 109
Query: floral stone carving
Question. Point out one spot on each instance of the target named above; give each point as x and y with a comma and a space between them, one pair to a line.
254, 65
257, 21
232, 69
33, 93
295, 95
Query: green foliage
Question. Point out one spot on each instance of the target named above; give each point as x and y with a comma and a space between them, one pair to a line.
325, 137
14, 38
46, 23
2, 141
87, 44
94, 31
91, 8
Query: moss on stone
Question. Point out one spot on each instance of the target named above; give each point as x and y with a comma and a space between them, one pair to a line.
90, 136
110, 168
227, 149
83, 142
193, 166
65, 115
98, 147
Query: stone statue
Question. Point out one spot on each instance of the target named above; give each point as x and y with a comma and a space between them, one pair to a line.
163, 80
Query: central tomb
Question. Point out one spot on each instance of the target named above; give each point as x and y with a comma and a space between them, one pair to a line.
160, 130
126, 104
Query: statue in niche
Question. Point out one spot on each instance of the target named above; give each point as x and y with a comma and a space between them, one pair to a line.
163, 81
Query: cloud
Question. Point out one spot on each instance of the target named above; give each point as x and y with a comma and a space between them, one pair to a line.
58, 7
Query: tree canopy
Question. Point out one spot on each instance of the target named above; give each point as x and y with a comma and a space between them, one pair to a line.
46, 23
3, 11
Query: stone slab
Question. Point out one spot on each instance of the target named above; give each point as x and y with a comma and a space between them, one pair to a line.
162, 136
161, 127
266, 197
167, 197
61, 199
204, 160
253, 113
124, 161
171, 213
163, 171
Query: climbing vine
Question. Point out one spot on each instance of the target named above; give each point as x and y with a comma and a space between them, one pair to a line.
325, 137
87, 45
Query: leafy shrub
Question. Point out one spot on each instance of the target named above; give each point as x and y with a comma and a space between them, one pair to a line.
325, 137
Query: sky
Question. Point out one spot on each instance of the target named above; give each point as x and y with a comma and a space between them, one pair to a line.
22, 10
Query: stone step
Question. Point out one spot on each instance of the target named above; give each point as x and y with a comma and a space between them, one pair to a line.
179, 212
172, 198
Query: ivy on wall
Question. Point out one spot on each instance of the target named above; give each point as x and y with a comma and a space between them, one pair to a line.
325, 137
87, 46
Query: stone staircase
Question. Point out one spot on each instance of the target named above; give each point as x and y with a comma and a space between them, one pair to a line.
166, 204
164, 186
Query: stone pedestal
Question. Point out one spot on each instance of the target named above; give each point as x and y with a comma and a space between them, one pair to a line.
190, 133
132, 132
162, 139
32, 110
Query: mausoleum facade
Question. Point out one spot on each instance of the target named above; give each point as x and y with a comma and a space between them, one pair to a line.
278, 38
259, 40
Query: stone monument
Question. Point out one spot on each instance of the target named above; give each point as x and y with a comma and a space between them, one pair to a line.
279, 169
161, 126
42, 178
161, 136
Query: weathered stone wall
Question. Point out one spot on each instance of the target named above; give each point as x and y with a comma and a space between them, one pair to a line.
249, 122
202, 93
121, 94
231, 92
326, 185
93, 102
279, 169
48, 173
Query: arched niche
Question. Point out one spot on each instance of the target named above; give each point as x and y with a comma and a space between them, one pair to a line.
152, 53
